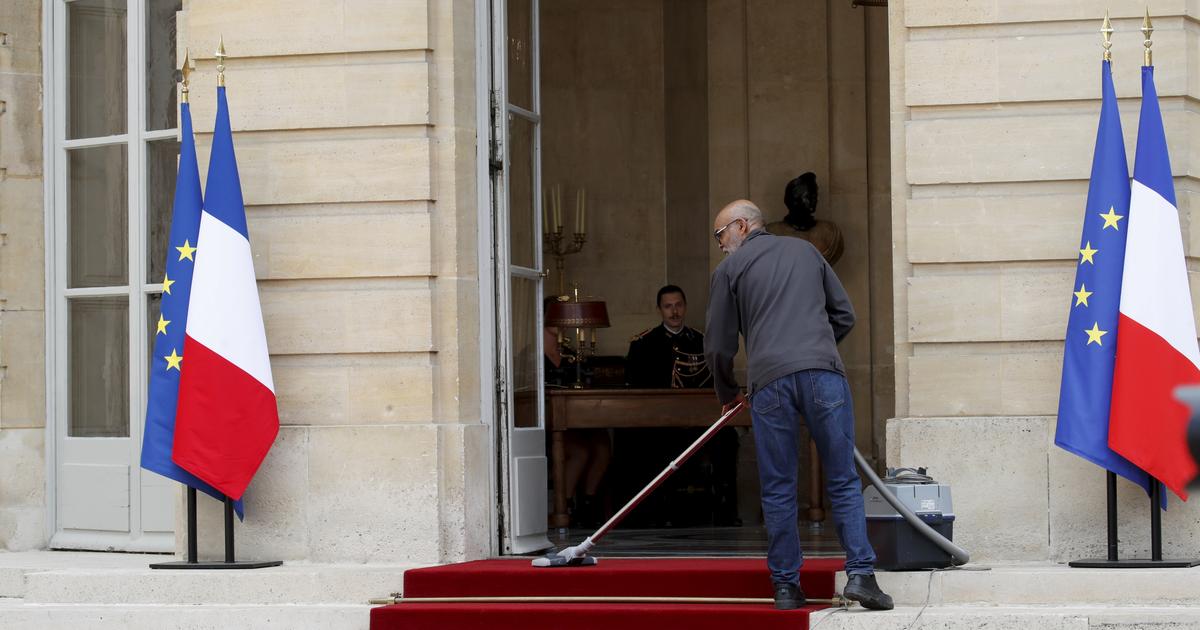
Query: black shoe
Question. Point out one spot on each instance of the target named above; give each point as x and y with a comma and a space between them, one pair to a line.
863, 589
788, 597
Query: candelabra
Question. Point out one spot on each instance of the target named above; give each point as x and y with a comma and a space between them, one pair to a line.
558, 244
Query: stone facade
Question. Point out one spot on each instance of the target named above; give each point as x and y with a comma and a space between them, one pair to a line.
994, 108
22, 280
355, 130
356, 135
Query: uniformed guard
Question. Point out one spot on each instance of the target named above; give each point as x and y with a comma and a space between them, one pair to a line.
670, 355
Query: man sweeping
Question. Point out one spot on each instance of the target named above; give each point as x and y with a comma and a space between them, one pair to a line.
787, 303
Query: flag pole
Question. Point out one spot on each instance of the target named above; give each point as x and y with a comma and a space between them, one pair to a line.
229, 530
1106, 30
193, 552
193, 547
1112, 516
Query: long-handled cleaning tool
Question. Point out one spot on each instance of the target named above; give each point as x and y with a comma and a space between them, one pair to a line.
577, 555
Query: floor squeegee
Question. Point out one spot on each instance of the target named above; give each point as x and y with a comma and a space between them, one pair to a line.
577, 555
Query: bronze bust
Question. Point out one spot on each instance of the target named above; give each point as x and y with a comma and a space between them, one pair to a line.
800, 197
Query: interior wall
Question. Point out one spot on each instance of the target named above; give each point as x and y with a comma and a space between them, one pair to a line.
685, 61
603, 105
789, 91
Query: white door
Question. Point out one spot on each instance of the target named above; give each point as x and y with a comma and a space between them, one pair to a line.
112, 116
516, 186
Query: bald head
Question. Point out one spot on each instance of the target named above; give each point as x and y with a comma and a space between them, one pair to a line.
735, 222
740, 209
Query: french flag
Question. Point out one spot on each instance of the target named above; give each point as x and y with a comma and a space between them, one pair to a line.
1156, 341
227, 418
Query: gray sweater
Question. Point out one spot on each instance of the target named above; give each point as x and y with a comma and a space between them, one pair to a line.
782, 296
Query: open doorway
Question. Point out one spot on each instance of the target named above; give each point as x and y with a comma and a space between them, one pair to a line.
653, 114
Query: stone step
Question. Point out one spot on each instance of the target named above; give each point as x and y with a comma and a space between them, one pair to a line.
111, 578
18, 615
1041, 585
290, 584
1005, 617
14, 567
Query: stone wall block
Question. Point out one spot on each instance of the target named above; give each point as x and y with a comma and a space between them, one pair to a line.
919, 13
277, 504
317, 93
353, 390
350, 245
943, 71
1015, 383
22, 467
297, 168
465, 522
997, 470
1025, 227
307, 27
995, 228
949, 308
21, 124
364, 481
22, 244
22, 20
1005, 306
1020, 148
1016, 69
331, 319
23, 375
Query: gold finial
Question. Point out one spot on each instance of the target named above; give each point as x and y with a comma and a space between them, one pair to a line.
186, 72
221, 62
1147, 28
1106, 29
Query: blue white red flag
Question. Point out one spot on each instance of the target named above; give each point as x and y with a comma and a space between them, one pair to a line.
1091, 341
1156, 350
227, 417
167, 359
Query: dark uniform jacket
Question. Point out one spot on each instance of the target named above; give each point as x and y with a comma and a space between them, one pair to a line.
659, 358
782, 296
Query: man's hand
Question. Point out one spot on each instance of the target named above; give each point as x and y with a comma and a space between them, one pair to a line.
739, 399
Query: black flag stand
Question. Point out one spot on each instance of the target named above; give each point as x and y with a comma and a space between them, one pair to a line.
230, 562
1156, 560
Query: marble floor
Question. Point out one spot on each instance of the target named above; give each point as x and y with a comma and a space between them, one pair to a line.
698, 541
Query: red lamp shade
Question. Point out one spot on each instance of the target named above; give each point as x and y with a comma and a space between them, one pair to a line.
577, 315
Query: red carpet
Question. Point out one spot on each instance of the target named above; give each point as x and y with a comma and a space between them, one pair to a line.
682, 577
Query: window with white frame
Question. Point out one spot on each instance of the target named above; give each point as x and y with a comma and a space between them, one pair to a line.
114, 138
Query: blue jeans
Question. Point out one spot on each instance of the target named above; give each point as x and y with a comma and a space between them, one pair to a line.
823, 399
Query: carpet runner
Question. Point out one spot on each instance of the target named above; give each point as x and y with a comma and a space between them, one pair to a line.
623, 577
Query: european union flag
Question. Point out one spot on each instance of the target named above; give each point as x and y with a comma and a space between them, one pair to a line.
1091, 341
166, 363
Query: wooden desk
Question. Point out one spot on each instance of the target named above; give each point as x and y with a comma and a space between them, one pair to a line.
621, 408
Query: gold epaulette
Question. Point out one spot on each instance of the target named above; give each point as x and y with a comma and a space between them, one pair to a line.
642, 334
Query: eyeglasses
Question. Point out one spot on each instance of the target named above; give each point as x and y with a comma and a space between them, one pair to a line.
717, 234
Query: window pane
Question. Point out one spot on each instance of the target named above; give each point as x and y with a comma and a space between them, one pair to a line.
99, 333
162, 159
161, 63
97, 216
525, 298
96, 81
520, 193
520, 53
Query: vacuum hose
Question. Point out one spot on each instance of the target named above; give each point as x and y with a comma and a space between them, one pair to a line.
959, 554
